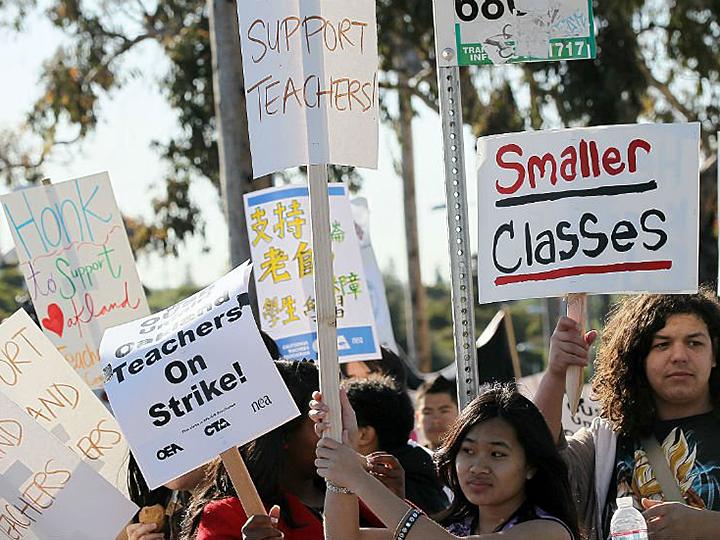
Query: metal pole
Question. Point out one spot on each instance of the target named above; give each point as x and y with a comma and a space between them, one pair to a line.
462, 292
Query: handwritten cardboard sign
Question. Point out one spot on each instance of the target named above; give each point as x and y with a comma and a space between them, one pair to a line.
311, 82
279, 225
76, 259
193, 380
513, 31
36, 377
596, 210
46, 491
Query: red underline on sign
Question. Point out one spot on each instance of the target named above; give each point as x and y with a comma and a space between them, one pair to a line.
585, 270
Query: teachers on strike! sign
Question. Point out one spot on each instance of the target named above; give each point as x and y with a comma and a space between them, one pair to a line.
596, 210
311, 82
73, 251
194, 380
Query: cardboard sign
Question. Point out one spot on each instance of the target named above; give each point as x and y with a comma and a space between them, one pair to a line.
596, 210
36, 377
311, 82
46, 491
193, 380
279, 225
513, 31
76, 259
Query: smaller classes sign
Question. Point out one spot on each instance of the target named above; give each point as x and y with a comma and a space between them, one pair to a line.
480, 32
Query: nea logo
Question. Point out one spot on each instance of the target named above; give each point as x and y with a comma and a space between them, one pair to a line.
218, 425
168, 451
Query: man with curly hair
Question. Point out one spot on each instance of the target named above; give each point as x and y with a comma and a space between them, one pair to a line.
658, 384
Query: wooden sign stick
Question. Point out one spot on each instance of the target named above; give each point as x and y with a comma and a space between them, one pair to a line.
324, 295
577, 311
243, 484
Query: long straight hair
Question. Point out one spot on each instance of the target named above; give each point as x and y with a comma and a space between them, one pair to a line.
548, 489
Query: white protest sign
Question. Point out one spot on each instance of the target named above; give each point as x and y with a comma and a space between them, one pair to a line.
76, 259
588, 410
193, 380
476, 32
47, 492
36, 377
595, 210
311, 82
283, 261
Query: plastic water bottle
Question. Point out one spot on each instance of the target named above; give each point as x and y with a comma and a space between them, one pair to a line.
627, 523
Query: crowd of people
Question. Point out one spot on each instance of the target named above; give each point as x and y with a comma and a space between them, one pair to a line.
421, 469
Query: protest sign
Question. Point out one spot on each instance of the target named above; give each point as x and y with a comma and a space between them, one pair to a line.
311, 82
284, 266
596, 210
193, 380
36, 377
46, 491
513, 31
76, 259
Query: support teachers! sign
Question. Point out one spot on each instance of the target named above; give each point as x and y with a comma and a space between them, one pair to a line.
596, 210
75, 255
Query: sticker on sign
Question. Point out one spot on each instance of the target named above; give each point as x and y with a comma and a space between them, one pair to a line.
478, 32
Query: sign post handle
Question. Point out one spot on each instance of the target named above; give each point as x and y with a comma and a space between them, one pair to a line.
577, 311
324, 295
462, 295
243, 484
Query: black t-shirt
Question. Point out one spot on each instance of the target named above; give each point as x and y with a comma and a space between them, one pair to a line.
692, 448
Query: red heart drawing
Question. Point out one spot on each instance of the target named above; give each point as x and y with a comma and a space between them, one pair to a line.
55, 320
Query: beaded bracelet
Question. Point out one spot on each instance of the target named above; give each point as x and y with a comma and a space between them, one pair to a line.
406, 523
334, 488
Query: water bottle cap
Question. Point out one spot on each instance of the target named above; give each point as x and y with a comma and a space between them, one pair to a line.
624, 502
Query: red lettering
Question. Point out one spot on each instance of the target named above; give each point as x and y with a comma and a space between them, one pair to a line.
511, 166
632, 152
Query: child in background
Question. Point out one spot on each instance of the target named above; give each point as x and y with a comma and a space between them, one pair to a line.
498, 459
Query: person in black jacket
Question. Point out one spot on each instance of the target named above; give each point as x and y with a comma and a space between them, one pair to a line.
385, 418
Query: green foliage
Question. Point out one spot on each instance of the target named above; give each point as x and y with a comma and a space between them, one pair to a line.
159, 299
12, 288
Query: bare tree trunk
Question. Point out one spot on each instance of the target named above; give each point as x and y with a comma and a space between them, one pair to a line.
418, 300
232, 129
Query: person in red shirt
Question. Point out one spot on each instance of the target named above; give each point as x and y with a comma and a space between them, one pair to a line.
282, 466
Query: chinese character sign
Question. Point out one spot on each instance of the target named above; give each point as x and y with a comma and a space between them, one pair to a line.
311, 82
75, 255
279, 228
514, 31
46, 491
593, 210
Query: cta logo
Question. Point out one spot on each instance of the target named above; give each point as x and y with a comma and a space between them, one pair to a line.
215, 427
168, 451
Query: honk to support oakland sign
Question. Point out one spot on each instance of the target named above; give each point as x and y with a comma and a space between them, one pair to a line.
76, 259
194, 380
595, 210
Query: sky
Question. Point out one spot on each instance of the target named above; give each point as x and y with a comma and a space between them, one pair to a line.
134, 116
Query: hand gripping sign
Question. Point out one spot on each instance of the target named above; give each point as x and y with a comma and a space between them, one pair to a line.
37, 378
46, 491
595, 210
78, 266
194, 380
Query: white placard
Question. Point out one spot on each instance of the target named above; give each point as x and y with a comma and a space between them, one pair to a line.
279, 227
36, 377
80, 272
595, 210
311, 82
193, 380
478, 32
47, 492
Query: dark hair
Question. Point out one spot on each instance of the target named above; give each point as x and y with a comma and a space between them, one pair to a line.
620, 383
379, 402
389, 364
264, 457
438, 385
139, 491
548, 489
